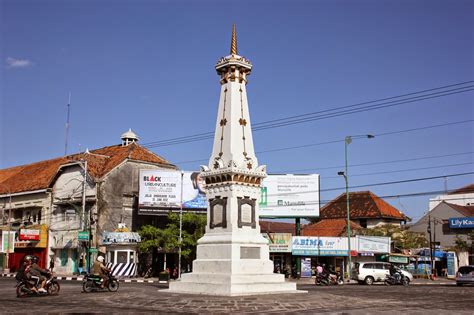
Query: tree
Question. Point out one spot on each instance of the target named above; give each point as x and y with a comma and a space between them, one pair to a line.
401, 237
156, 239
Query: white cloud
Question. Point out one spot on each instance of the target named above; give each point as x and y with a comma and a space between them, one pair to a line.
18, 63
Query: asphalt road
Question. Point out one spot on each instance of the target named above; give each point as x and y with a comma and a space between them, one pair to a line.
149, 297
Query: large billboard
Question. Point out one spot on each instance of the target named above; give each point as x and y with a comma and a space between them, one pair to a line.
290, 196
162, 189
281, 195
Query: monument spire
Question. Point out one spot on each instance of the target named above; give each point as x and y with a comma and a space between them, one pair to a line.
233, 43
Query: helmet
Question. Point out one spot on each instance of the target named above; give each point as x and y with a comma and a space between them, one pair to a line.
100, 259
28, 258
34, 259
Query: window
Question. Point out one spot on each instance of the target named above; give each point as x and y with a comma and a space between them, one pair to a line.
69, 215
378, 266
386, 266
368, 266
466, 270
122, 257
363, 223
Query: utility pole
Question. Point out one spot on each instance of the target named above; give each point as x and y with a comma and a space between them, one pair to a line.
83, 220
9, 236
298, 258
180, 239
431, 244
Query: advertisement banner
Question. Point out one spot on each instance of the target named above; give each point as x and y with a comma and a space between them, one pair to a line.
120, 238
450, 264
279, 242
319, 246
306, 268
162, 189
290, 196
5, 248
29, 235
194, 191
373, 244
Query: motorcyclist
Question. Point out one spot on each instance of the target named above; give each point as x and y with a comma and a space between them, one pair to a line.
319, 269
37, 271
23, 273
332, 274
395, 272
100, 270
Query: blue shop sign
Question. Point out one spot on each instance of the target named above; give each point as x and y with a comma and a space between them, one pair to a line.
461, 223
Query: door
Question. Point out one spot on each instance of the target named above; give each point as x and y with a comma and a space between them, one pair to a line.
379, 271
74, 260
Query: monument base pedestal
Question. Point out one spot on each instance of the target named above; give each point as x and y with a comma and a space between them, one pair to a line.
232, 285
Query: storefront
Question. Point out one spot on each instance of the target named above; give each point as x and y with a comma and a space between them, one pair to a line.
333, 251
30, 241
121, 252
280, 251
330, 251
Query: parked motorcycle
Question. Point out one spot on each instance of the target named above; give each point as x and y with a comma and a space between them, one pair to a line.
325, 279
25, 287
93, 283
400, 279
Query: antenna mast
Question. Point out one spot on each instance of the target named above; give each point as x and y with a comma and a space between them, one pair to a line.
67, 123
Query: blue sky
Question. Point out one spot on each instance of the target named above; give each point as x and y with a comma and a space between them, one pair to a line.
149, 66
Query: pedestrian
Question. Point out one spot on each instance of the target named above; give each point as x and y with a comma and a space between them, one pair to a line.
175, 273
80, 264
51, 264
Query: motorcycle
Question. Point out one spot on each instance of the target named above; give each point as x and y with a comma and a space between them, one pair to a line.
25, 287
93, 283
392, 280
325, 279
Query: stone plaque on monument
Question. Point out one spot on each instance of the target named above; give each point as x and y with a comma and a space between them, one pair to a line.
249, 252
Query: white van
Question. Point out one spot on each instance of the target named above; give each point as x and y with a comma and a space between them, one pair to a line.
370, 272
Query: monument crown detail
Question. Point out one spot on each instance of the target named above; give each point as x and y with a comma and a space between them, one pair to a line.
233, 256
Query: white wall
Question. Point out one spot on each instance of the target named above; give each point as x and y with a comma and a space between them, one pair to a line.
457, 199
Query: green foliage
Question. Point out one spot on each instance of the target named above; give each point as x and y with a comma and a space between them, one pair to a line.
168, 239
460, 245
402, 238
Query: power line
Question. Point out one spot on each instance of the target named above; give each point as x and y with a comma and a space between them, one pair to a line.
324, 114
342, 140
401, 181
377, 184
377, 163
404, 170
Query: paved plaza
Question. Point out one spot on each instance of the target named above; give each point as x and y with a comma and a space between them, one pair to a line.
135, 298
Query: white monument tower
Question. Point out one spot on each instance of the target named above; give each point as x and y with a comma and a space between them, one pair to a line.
232, 256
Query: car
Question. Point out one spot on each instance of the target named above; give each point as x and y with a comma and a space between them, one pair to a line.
370, 272
465, 275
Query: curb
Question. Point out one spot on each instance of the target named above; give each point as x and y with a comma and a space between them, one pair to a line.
10, 275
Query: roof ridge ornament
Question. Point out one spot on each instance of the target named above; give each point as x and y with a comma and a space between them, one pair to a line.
233, 44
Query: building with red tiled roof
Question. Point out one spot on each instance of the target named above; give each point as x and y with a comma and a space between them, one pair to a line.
331, 228
48, 194
277, 227
463, 196
366, 209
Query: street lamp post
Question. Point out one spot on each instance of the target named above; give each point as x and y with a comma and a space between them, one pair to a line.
347, 141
